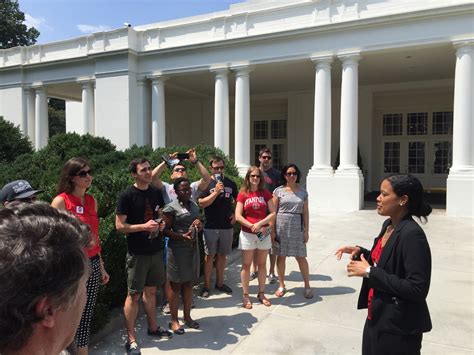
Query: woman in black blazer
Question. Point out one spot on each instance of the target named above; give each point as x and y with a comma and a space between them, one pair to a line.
396, 271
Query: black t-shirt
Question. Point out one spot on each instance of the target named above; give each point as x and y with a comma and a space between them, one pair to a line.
219, 212
271, 179
140, 206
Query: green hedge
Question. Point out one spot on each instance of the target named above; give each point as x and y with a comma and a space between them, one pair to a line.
111, 177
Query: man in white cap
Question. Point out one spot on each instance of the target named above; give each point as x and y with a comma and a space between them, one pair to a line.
18, 190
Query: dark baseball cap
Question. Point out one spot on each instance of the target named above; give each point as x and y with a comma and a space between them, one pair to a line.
17, 190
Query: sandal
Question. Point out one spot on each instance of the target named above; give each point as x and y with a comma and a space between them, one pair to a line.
192, 324
265, 301
308, 293
280, 292
179, 331
246, 301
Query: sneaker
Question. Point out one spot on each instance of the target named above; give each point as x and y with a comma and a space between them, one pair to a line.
132, 348
204, 292
160, 333
224, 288
166, 309
272, 279
253, 275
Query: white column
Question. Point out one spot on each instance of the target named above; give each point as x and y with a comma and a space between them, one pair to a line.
24, 113
30, 112
242, 119
221, 110
143, 112
41, 115
460, 183
322, 116
349, 112
88, 112
158, 123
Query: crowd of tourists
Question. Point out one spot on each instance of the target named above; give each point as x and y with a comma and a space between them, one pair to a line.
162, 223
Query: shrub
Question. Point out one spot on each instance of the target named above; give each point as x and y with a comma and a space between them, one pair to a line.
12, 142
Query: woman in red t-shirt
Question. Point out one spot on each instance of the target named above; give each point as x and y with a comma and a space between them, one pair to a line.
255, 212
75, 179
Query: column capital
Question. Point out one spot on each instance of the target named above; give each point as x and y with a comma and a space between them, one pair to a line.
158, 79
322, 61
87, 84
464, 45
37, 86
219, 70
349, 58
242, 69
28, 90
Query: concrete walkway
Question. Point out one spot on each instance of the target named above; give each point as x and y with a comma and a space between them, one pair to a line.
330, 322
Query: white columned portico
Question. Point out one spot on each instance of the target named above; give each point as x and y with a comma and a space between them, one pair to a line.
88, 110
158, 122
460, 183
41, 119
350, 182
320, 179
143, 112
242, 118
221, 109
30, 113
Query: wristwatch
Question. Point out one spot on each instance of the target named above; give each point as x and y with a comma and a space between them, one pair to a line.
367, 271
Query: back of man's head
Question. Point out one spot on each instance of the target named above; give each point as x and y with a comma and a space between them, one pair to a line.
41, 258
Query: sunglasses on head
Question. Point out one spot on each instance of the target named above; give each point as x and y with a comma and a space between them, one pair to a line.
84, 173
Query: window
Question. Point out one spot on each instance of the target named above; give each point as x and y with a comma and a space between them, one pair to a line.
416, 157
391, 162
392, 124
442, 157
443, 122
260, 129
278, 129
277, 157
417, 123
257, 150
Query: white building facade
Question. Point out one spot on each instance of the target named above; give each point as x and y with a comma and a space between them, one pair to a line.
322, 83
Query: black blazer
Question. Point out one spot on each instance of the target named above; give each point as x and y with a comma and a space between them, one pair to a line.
401, 281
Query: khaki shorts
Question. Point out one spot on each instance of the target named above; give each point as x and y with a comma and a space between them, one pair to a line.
144, 270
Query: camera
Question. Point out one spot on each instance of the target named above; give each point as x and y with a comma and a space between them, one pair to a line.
183, 156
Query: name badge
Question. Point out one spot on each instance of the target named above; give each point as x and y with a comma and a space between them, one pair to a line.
79, 210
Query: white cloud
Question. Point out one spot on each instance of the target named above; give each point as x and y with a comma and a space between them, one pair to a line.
36, 22
86, 29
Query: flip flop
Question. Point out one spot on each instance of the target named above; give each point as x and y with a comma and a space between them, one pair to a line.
308, 293
280, 292
179, 331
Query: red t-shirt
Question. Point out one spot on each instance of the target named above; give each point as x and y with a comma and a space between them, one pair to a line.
255, 206
375, 255
87, 214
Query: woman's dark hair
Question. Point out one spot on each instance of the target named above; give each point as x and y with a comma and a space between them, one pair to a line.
285, 169
246, 185
70, 169
406, 184
178, 181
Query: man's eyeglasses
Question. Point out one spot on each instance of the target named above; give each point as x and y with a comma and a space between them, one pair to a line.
179, 170
266, 157
217, 167
291, 174
84, 173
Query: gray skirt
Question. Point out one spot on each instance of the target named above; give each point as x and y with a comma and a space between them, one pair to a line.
290, 235
183, 262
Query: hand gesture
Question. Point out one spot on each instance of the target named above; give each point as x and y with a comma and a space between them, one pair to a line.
151, 226
197, 224
353, 251
192, 156
357, 268
188, 236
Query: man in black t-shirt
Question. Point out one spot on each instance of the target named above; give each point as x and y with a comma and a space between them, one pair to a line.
217, 201
137, 211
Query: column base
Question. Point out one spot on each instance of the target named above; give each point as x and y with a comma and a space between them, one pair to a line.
460, 193
242, 169
339, 191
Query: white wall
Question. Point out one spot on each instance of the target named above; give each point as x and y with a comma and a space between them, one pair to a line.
11, 105
74, 112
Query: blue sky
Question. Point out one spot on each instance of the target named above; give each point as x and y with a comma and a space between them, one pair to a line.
62, 19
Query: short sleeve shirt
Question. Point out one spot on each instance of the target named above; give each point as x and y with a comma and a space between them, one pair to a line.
254, 206
140, 206
183, 217
290, 202
218, 214
169, 194
271, 179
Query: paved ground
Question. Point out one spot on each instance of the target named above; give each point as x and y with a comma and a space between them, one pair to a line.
329, 323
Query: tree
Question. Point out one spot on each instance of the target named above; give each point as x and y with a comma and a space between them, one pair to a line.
56, 116
13, 32
12, 142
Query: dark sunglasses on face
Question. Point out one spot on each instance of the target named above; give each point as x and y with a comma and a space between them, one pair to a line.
217, 168
255, 176
266, 157
179, 170
291, 174
84, 173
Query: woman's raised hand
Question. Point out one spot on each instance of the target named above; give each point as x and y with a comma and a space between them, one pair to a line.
353, 251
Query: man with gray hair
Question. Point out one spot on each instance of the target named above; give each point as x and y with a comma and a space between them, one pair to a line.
43, 275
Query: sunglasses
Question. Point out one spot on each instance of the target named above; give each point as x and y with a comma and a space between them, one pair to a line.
179, 170
255, 176
217, 167
266, 157
84, 173
291, 174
